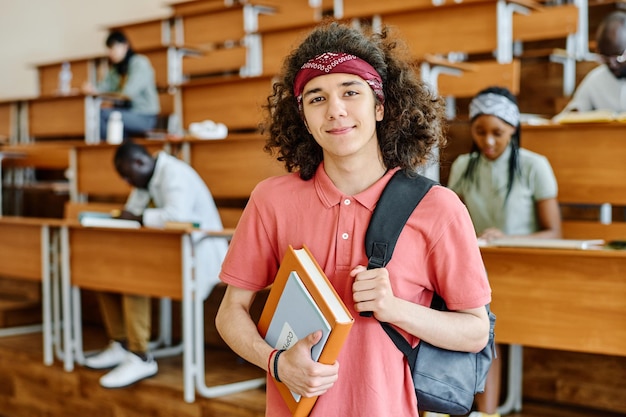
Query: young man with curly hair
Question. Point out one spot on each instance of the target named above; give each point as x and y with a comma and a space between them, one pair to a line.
346, 114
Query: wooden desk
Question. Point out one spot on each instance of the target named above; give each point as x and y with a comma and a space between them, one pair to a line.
74, 115
559, 299
29, 251
570, 300
587, 159
152, 262
588, 162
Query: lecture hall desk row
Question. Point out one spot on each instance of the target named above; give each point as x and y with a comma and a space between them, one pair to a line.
103, 259
186, 48
555, 299
572, 300
587, 160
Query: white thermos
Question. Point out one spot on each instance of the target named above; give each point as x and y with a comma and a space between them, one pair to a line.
115, 128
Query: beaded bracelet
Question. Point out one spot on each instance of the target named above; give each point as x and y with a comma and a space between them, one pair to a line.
276, 365
269, 361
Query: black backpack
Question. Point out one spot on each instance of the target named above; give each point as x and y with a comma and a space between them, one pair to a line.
445, 381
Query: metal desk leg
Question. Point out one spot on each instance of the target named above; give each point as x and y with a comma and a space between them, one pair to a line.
66, 301
513, 400
193, 315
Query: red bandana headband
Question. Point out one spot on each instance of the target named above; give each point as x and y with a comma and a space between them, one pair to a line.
337, 62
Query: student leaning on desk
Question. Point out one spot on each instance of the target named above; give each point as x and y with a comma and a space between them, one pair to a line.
130, 76
164, 189
508, 191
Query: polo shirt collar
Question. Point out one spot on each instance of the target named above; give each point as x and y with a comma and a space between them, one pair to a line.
330, 196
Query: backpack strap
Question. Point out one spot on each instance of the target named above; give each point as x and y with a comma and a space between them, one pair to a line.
395, 205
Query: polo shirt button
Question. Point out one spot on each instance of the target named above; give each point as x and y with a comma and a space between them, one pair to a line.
345, 236
346, 201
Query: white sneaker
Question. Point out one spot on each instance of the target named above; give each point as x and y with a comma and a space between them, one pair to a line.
108, 358
131, 370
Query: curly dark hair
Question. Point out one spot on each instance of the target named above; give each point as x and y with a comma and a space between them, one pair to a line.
414, 118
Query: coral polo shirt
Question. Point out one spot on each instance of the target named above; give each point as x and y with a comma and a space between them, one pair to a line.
437, 250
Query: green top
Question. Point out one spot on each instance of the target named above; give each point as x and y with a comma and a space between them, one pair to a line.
484, 197
140, 86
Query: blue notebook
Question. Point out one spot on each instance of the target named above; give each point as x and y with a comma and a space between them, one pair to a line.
296, 317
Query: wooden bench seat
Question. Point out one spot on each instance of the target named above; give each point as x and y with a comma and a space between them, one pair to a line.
292, 14
476, 27
184, 8
160, 58
368, 8
234, 101
277, 44
207, 29
147, 34
552, 22
478, 75
218, 60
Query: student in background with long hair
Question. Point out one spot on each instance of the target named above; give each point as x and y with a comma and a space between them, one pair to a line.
508, 190
131, 76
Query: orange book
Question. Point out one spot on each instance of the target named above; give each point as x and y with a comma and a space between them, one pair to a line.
301, 301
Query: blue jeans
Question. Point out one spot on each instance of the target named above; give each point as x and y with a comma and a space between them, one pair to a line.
135, 124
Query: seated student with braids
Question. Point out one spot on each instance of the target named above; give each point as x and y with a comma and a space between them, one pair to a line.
508, 190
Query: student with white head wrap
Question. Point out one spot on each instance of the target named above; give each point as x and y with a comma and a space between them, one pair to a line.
508, 190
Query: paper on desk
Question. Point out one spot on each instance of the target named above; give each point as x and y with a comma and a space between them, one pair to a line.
114, 223
546, 243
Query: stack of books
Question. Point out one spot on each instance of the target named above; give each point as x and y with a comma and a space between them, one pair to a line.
302, 301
